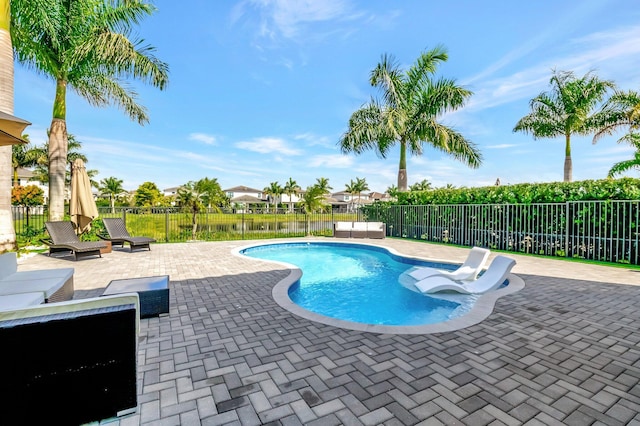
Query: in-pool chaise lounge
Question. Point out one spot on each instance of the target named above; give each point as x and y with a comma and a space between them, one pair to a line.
492, 278
118, 235
468, 271
64, 238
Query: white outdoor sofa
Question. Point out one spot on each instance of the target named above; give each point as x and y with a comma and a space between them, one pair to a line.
359, 230
24, 288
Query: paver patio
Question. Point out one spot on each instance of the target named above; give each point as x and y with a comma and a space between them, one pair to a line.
565, 350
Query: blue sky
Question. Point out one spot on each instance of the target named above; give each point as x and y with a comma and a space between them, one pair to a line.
262, 90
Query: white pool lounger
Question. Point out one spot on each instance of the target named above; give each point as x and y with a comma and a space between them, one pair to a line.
493, 277
469, 270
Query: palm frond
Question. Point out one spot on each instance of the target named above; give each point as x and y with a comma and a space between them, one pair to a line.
388, 78
426, 65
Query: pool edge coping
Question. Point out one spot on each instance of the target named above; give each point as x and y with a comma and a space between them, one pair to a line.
480, 311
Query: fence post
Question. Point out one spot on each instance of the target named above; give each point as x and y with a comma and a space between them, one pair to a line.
166, 225
566, 226
243, 224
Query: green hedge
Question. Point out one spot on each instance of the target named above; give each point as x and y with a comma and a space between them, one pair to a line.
528, 193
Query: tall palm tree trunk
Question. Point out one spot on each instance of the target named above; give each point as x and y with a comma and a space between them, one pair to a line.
194, 222
58, 145
7, 231
568, 165
402, 167
57, 168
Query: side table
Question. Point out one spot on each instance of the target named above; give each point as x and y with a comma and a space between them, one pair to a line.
152, 291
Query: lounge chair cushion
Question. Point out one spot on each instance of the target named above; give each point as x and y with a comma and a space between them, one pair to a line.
359, 226
343, 226
11, 302
48, 286
55, 284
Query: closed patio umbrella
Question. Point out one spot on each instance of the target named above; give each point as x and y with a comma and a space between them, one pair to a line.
11, 129
82, 206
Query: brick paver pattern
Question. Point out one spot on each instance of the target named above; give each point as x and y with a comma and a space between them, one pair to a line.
565, 350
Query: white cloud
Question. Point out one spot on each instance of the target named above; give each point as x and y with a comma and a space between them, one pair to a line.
274, 20
501, 146
203, 137
288, 16
608, 52
267, 145
333, 160
311, 140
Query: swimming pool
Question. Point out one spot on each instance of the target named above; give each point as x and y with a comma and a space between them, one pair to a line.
359, 286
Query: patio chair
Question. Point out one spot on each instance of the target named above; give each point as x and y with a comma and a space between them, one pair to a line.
118, 235
64, 239
492, 278
468, 271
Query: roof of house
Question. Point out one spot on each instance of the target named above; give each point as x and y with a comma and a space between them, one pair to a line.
242, 188
379, 196
24, 173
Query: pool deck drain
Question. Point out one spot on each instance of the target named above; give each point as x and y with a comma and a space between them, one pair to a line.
564, 350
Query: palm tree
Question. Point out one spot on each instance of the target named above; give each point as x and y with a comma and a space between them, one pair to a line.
196, 195
274, 190
211, 193
408, 112
111, 187
84, 45
350, 189
626, 165
313, 201
188, 196
568, 109
392, 191
424, 185
41, 154
622, 110
357, 187
291, 188
22, 156
7, 231
323, 184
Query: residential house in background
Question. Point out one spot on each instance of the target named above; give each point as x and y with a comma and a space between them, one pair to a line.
170, 192
24, 179
244, 197
348, 201
379, 196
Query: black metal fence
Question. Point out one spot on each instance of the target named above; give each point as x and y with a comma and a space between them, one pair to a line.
606, 231
179, 225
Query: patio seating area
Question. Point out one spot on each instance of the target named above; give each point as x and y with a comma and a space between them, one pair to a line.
564, 350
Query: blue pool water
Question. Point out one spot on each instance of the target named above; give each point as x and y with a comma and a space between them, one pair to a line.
358, 283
